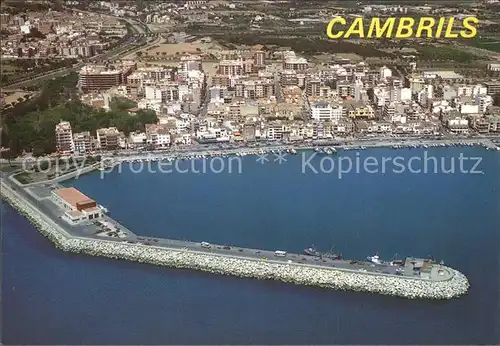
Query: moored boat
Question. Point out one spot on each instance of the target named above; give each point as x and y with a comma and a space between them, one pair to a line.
311, 251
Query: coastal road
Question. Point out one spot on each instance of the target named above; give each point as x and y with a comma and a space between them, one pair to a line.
117, 53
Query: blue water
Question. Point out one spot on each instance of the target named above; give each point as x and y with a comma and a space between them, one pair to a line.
50, 297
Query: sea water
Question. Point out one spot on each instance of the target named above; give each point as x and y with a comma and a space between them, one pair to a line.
51, 297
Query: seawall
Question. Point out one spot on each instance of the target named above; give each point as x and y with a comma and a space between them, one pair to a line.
241, 267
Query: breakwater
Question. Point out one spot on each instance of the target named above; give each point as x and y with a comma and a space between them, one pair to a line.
237, 266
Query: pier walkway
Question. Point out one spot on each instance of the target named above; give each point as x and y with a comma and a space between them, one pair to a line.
109, 230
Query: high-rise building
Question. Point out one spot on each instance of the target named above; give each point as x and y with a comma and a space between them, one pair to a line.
64, 138
313, 88
83, 142
108, 138
102, 77
260, 58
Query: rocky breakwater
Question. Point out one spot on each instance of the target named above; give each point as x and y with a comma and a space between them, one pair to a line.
267, 270
40, 221
244, 267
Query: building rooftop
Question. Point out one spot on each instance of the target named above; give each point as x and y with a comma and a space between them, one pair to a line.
73, 196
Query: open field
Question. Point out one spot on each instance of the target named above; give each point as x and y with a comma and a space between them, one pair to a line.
170, 49
11, 97
489, 45
8, 68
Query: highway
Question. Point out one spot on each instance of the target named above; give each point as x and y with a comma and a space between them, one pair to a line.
140, 30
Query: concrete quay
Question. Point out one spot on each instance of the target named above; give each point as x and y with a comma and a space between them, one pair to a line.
240, 265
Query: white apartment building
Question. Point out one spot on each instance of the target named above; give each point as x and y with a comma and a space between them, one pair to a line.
64, 138
83, 142
458, 125
158, 136
322, 111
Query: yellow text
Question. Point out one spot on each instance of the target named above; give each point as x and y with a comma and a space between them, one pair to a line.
403, 27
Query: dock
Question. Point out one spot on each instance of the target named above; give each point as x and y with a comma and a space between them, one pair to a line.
107, 238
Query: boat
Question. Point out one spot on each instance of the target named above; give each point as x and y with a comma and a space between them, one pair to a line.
293, 151
328, 151
374, 259
311, 251
333, 256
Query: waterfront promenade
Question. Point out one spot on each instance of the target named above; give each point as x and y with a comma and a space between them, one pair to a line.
490, 143
259, 148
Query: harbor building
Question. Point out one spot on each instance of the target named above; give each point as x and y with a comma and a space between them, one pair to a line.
79, 208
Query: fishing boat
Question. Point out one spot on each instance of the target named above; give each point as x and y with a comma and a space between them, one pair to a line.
311, 251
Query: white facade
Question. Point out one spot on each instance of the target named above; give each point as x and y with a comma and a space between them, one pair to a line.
469, 109
72, 214
324, 111
152, 93
385, 72
464, 90
479, 90
406, 95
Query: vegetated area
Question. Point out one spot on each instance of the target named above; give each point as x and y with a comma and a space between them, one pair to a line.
303, 45
47, 170
488, 43
23, 178
29, 126
14, 70
23, 6
443, 54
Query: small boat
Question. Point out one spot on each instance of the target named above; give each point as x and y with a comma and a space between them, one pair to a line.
311, 251
374, 259
333, 256
293, 151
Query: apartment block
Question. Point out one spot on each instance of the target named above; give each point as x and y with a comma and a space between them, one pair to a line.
108, 138
64, 138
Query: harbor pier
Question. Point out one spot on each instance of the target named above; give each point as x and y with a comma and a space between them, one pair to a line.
107, 238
